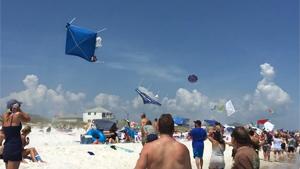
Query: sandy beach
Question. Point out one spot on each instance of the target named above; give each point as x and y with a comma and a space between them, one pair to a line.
63, 150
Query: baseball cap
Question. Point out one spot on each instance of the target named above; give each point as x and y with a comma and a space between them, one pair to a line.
11, 102
197, 122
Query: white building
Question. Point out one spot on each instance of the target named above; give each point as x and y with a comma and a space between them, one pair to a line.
97, 113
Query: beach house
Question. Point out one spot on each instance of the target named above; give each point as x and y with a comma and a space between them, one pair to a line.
97, 113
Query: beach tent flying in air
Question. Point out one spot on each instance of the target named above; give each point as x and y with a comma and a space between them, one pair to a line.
82, 42
192, 78
229, 108
147, 99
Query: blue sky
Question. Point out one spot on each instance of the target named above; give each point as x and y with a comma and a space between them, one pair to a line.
156, 44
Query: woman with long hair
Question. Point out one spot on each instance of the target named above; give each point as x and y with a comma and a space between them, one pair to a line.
218, 148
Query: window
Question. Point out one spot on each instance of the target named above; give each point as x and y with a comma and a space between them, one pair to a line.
89, 113
103, 115
95, 113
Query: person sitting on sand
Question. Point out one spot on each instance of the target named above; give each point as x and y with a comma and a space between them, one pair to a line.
29, 152
165, 152
2, 138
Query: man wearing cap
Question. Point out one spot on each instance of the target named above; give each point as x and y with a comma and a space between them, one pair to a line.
198, 136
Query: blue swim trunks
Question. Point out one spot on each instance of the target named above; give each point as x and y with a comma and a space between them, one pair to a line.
198, 150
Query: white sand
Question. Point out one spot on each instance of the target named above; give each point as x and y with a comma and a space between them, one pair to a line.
63, 151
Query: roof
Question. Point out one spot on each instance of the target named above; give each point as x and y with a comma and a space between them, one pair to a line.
97, 109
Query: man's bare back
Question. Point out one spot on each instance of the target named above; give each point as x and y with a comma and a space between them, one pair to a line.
164, 153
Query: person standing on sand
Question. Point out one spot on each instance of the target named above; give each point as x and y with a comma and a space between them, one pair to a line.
198, 135
218, 148
144, 120
12, 151
165, 152
245, 157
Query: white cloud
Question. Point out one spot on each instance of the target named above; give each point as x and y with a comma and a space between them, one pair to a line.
187, 101
38, 99
267, 93
31, 81
111, 102
267, 71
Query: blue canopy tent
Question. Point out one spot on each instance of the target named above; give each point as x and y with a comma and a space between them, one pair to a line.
81, 42
147, 99
210, 122
180, 121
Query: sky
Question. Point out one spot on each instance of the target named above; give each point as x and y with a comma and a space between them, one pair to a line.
243, 51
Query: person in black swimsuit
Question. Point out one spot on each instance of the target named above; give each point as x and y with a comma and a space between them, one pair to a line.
12, 151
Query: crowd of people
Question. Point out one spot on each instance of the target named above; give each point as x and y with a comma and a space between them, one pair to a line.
246, 145
160, 148
284, 144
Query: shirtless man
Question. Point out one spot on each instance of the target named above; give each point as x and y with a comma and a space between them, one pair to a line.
165, 152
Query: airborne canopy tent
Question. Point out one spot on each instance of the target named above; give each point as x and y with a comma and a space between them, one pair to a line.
147, 99
81, 42
180, 121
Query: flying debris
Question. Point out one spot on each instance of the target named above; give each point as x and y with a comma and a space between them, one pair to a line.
192, 78
147, 99
269, 126
219, 108
269, 110
229, 108
261, 121
82, 42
